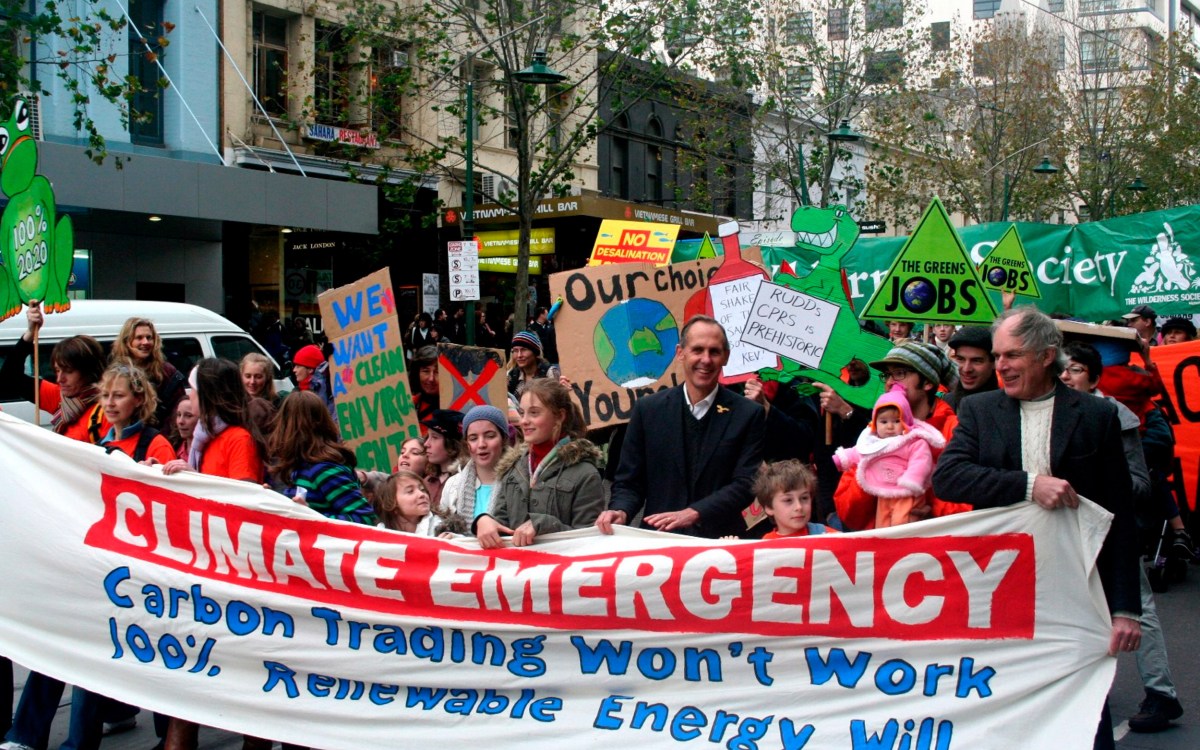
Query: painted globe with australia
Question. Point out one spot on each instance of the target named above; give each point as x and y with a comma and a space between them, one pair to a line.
996, 276
635, 342
918, 295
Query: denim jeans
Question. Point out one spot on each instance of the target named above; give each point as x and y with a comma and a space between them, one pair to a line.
35, 711
38, 705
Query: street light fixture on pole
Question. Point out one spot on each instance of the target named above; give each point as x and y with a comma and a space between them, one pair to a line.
537, 74
468, 214
1045, 168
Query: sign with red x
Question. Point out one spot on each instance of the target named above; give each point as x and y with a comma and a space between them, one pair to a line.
470, 376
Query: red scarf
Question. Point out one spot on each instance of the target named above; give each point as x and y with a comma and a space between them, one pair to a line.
537, 453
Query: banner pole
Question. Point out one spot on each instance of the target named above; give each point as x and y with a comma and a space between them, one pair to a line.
37, 386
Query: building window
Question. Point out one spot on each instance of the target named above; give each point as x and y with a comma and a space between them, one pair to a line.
839, 23
1056, 6
619, 159
799, 80
654, 133
798, 29
884, 14
985, 8
939, 36
512, 129
884, 67
558, 103
1060, 58
981, 60
1099, 6
390, 76
835, 74
271, 62
332, 75
1099, 51
146, 118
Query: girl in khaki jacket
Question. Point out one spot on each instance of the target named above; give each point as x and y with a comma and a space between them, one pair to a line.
552, 482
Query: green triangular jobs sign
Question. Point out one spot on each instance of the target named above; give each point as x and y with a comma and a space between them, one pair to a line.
1006, 268
932, 279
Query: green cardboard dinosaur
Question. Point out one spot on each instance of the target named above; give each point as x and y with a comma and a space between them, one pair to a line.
830, 233
36, 250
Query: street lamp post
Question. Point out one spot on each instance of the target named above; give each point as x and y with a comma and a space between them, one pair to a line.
1045, 168
468, 213
468, 217
842, 134
537, 74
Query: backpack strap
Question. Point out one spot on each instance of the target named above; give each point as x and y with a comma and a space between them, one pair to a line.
143, 444
94, 420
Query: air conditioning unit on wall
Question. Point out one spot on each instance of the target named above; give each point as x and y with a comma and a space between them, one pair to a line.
495, 186
399, 58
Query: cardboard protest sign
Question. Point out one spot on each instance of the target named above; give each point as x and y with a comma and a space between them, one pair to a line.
618, 328
731, 293
225, 604
828, 235
36, 249
633, 242
471, 376
932, 279
1006, 268
368, 375
790, 323
1179, 365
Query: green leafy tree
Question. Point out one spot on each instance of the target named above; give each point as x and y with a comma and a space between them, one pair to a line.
975, 131
549, 131
820, 65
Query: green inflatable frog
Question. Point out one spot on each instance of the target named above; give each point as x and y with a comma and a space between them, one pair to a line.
36, 250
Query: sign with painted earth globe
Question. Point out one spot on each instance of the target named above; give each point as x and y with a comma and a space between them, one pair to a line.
997, 276
919, 295
635, 342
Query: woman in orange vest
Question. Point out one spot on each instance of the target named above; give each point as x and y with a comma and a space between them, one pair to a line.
74, 400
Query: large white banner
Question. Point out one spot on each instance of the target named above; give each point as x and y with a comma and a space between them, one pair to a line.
229, 605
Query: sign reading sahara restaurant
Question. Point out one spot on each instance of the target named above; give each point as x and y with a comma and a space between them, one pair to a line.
334, 134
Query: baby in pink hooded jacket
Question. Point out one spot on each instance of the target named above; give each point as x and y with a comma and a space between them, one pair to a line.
893, 460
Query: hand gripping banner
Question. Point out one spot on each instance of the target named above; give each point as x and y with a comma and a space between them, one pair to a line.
226, 604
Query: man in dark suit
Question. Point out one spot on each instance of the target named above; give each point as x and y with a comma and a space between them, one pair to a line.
691, 452
1037, 440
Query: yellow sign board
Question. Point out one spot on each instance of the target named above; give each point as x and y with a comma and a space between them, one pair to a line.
504, 242
508, 264
633, 242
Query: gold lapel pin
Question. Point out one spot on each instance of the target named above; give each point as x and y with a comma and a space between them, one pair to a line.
722, 409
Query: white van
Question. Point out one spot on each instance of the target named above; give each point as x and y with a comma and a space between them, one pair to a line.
189, 333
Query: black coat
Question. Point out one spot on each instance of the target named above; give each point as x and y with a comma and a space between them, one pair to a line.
653, 470
982, 466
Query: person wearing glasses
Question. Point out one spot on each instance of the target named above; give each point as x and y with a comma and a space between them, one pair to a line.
917, 370
1161, 705
1037, 441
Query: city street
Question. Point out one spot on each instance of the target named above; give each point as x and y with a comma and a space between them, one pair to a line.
1176, 608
